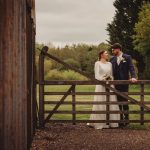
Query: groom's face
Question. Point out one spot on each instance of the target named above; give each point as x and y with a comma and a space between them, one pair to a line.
116, 51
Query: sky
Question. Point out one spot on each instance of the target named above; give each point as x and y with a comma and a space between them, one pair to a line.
62, 22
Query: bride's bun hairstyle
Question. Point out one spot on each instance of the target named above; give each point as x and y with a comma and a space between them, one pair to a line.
101, 53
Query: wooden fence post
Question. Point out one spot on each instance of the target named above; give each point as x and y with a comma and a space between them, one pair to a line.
41, 86
107, 106
73, 106
142, 101
41, 90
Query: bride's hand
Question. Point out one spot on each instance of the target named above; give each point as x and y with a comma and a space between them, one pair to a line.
107, 77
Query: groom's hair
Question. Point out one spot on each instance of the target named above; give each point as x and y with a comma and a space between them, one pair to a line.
116, 46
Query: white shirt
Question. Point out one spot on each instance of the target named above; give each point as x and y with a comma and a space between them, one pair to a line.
119, 58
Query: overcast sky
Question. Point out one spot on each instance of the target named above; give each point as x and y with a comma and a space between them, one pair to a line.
73, 21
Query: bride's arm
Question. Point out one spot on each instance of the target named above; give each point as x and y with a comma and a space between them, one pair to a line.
98, 76
111, 72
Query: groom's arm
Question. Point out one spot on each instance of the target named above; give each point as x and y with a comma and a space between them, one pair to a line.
131, 67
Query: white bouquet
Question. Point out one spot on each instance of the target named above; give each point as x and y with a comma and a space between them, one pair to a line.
107, 77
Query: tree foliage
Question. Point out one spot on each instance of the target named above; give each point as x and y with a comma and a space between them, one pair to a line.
142, 29
121, 29
142, 36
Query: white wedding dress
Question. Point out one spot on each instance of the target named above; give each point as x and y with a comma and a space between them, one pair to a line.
101, 69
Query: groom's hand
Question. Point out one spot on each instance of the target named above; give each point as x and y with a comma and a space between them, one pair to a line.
133, 80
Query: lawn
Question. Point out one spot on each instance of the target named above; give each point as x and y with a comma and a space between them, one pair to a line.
90, 88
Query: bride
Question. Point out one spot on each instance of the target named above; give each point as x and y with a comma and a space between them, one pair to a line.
103, 71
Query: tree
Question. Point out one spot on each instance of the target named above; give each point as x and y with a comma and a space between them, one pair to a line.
142, 37
121, 29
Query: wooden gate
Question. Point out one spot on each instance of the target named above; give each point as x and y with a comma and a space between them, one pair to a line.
45, 115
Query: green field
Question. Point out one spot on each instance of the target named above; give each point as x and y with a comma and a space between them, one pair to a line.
90, 88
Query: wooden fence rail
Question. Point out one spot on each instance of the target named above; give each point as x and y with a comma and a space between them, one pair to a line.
47, 114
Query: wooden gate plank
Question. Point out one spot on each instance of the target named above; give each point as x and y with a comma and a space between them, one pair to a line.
59, 103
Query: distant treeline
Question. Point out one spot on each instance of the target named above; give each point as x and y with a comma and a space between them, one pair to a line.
81, 56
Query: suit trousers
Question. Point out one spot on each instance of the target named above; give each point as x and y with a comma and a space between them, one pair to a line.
123, 107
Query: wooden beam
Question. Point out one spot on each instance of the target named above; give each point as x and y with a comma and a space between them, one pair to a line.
41, 91
95, 112
13, 75
96, 93
98, 121
93, 102
93, 82
59, 103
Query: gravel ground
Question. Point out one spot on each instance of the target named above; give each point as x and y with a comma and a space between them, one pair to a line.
61, 136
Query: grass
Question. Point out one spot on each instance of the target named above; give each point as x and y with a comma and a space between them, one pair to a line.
91, 88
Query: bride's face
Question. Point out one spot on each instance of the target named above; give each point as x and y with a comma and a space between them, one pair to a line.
105, 55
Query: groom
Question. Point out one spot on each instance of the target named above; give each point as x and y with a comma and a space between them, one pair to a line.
122, 66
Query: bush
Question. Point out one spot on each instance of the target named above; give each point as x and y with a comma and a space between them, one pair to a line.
63, 75
71, 75
135, 67
54, 75
47, 66
71, 62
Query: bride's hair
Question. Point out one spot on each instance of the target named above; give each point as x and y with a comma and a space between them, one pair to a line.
100, 53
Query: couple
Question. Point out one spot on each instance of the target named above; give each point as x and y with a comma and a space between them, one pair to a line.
118, 68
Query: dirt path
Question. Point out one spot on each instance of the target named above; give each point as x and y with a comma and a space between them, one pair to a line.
80, 137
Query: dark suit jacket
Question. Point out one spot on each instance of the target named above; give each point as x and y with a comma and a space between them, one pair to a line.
121, 71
